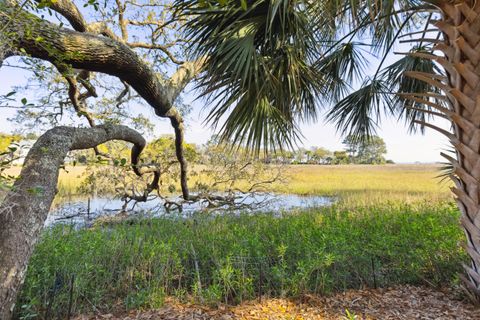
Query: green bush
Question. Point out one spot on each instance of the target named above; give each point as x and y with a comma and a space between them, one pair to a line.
232, 258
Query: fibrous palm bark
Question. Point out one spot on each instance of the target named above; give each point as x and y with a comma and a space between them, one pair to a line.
459, 55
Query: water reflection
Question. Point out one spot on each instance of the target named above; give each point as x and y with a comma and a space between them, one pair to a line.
82, 212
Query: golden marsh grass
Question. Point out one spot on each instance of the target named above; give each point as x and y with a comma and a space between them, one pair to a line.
368, 182
357, 183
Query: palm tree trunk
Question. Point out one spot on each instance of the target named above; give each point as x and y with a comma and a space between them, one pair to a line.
461, 60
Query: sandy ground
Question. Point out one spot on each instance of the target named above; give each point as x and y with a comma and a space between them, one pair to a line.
403, 302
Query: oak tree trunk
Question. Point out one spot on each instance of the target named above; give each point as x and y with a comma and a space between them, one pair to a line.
26, 206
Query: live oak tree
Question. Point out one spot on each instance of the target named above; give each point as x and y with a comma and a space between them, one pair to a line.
25, 207
73, 54
79, 50
117, 178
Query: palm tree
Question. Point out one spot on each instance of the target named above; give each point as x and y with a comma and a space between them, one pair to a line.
271, 63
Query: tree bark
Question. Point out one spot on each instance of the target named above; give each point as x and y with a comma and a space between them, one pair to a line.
71, 49
461, 60
26, 206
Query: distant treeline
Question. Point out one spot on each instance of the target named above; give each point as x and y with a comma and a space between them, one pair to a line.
371, 150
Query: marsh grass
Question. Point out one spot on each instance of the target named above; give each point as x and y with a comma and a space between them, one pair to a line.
228, 259
368, 183
391, 225
354, 184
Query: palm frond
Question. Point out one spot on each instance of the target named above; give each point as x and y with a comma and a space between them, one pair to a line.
446, 168
279, 59
341, 66
357, 114
259, 62
399, 83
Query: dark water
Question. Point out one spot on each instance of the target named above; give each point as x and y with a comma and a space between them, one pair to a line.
82, 212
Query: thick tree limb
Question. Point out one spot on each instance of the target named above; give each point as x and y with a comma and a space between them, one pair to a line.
44, 40
70, 12
87, 51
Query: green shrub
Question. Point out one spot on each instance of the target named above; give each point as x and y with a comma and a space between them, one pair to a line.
232, 258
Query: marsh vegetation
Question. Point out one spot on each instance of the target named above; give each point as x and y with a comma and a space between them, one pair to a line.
391, 225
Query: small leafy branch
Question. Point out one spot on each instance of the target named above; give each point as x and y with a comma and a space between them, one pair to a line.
6, 160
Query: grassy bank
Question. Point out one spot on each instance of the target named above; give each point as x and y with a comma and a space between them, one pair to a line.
229, 259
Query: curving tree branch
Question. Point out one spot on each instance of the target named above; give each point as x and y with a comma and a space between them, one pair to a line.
26, 206
63, 47
85, 49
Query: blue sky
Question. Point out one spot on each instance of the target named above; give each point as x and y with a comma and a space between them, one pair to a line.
402, 146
